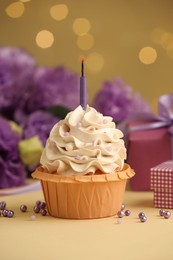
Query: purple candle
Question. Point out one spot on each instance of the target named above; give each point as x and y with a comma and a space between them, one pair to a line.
83, 90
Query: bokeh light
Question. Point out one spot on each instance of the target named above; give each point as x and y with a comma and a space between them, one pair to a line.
94, 62
166, 40
15, 9
81, 26
25, 1
147, 55
157, 34
59, 12
85, 42
44, 39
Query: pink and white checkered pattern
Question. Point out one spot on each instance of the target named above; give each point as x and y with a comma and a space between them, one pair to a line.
161, 182
163, 199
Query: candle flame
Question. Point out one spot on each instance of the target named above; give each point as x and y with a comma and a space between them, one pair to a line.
83, 59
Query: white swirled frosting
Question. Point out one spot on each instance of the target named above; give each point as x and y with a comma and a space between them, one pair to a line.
83, 143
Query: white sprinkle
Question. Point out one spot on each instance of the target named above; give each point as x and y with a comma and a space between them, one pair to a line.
69, 146
119, 221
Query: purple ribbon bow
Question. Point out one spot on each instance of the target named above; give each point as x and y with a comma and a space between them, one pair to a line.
164, 119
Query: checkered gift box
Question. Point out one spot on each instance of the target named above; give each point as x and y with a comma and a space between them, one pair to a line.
161, 181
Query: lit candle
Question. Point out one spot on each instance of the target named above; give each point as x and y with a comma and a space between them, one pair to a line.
83, 90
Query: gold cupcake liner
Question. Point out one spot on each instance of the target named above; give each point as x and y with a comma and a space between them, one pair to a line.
84, 197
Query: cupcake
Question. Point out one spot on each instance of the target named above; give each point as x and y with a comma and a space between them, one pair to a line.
82, 172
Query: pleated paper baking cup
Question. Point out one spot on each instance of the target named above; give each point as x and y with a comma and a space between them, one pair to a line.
84, 197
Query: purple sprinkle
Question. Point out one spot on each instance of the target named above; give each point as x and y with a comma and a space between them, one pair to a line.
141, 214
127, 212
5, 213
120, 214
77, 157
122, 206
36, 209
78, 125
109, 148
143, 219
167, 214
2, 205
10, 213
105, 121
66, 133
161, 212
43, 212
42, 205
38, 202
23, 208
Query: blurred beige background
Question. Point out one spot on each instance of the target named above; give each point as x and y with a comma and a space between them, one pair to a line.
132, 39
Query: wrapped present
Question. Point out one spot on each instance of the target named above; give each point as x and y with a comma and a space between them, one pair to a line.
162, 183
150, 143
145, 149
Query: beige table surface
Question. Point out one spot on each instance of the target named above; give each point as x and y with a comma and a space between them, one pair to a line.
100, 239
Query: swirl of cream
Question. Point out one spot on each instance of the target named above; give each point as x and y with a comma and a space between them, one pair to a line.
84, 142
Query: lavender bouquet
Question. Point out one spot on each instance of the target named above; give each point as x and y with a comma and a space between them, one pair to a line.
16, 78
39, 123
54, 86
35, 133
116, 99
12, 169
34, 98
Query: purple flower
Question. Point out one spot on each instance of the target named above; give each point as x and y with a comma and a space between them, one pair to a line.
117, 100
16, 73
54, 86
12, 170
39, 123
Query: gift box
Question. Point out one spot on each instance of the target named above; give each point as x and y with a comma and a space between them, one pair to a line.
162, 184
147, 148
149, 143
